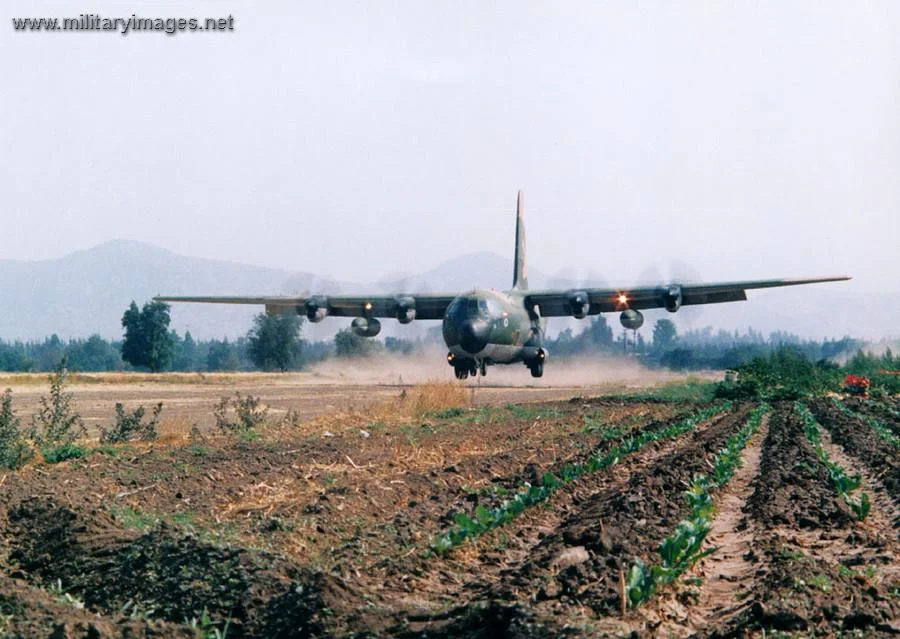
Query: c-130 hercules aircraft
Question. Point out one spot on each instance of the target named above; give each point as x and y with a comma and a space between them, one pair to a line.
482, 327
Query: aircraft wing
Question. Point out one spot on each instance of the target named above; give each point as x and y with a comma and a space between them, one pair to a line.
429, 306
561, 303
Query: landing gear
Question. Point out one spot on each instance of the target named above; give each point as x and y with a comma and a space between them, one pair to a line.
537, 364
460, 372
482, 368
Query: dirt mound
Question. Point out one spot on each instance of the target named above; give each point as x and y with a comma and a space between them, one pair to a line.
168, 574
580, 562
795, 489
862, 441
820, 569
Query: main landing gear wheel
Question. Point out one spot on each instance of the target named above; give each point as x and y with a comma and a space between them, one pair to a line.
482, 368
537, 369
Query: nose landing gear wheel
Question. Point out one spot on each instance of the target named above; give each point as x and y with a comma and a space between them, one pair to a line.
537, 369
461, 373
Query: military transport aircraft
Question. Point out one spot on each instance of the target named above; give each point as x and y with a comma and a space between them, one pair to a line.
483, 327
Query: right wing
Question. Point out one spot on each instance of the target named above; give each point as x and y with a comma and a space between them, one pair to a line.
427, 306
560, 303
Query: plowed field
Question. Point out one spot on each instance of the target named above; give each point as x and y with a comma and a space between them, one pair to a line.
328, 529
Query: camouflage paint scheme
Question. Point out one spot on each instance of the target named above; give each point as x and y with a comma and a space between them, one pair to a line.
483, 327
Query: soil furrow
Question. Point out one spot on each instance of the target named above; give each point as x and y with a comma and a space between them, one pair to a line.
725, 579
812, 552
576, 569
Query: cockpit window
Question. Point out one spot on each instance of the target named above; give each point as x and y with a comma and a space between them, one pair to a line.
494, 307
463, 307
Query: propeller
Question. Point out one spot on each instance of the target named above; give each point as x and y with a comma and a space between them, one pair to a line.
674, 271
575, 279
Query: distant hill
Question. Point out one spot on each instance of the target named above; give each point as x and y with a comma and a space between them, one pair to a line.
86, 292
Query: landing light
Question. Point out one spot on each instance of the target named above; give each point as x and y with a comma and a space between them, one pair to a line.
368, 306
623, 299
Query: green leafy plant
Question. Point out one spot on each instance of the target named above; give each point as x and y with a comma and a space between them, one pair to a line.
14, 450
843, 483
240, 416
883, 431
683, 548
57, 425
131, 425
486, 519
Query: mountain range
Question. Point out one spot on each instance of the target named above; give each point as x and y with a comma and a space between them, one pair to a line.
86, 293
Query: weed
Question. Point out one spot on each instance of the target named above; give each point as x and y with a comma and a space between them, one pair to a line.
794, 555
209, 627
56, 589
456, 411
64, 452
14, 451
818, 582
57, 425
133, 518
291, 418
131, 426
240, 416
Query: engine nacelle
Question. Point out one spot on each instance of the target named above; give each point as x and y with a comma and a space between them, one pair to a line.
632, 319
365, 327
579, 304
316, 308
406, 309
672, 298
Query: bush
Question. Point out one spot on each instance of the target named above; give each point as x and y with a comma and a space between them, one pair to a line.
56, 425
14, 451
240, 416
786, 374
131, 426
64, 452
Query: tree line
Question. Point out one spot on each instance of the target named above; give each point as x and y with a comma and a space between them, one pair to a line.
275, 343
696, 349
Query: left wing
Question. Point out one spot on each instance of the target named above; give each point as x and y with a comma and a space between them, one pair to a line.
405, 307
579, 302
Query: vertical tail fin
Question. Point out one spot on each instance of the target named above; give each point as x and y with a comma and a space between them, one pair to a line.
520, 274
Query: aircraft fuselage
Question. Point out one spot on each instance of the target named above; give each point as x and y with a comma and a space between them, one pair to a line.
484, 327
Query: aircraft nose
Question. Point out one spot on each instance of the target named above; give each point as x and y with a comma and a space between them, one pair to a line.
474, 334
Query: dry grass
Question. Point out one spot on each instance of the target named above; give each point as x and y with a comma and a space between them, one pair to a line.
411, 404
128, 378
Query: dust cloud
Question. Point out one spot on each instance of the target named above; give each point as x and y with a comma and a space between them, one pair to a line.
431, 365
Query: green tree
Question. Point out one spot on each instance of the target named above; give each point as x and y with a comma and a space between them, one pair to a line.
93, 354
664, 335
222, 356
147, 342
274, 341
185, 355
349, 344
601, 334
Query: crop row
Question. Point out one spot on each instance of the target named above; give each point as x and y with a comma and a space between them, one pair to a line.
683, 548
883, 431
884, 406
489, 518
844, 484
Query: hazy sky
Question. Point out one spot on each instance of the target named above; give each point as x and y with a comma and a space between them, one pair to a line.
359, 139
